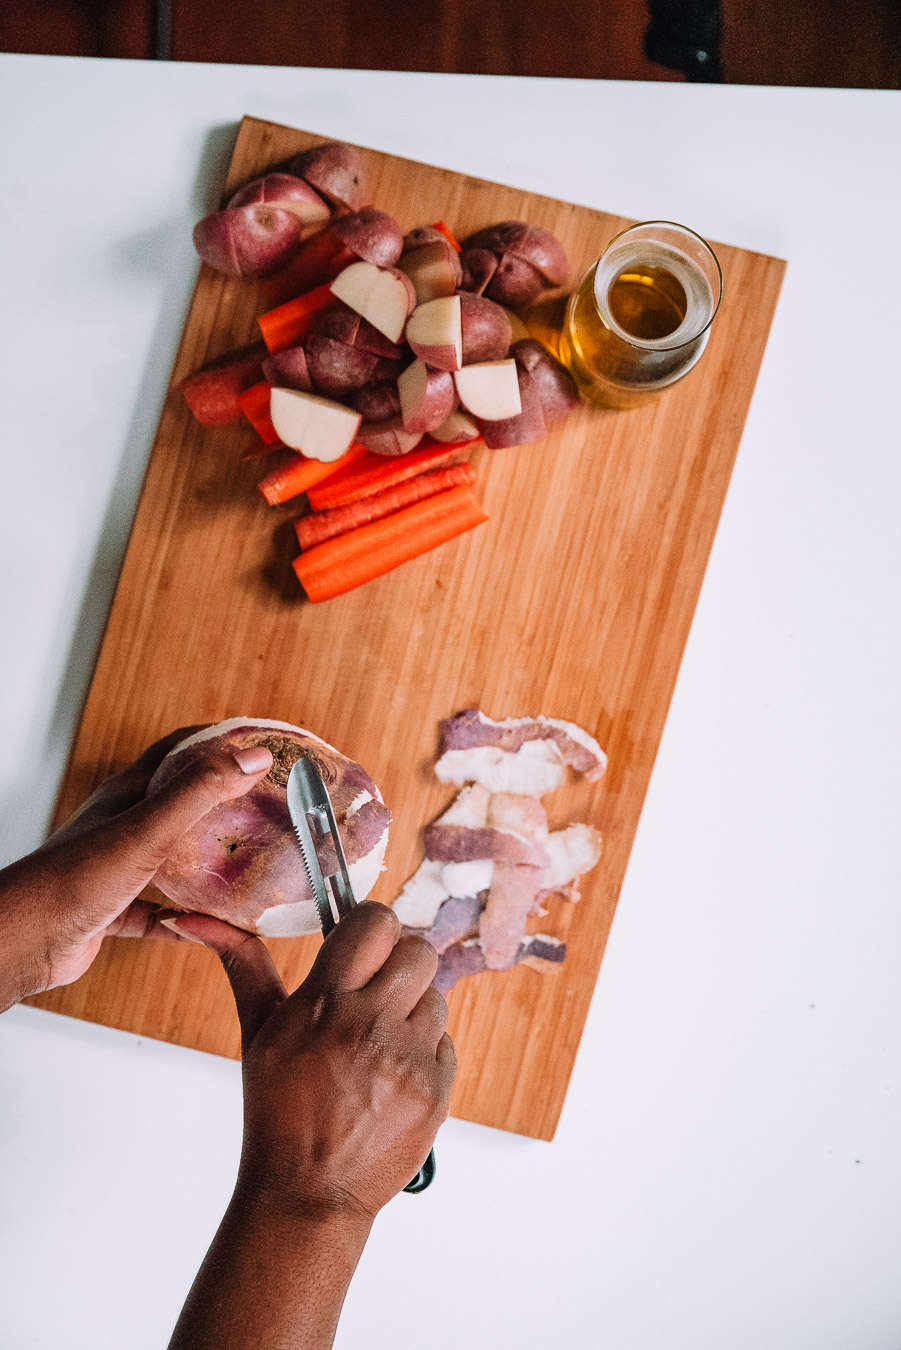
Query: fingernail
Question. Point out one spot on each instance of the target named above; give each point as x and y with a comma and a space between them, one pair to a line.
253, 759
172, 925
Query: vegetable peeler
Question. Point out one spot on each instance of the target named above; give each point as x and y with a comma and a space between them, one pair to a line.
313, 818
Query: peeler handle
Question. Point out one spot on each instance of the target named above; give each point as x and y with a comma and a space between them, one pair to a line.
424, 1177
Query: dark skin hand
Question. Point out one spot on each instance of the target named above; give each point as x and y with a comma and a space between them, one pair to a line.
346, 1081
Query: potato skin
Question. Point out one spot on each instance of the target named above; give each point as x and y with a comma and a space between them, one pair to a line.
289, 192
377, 401
387, 437
248, 241
337, 369
487, 331
438, 400
513, 262
372, 235
335, 170
289, 370
556, 388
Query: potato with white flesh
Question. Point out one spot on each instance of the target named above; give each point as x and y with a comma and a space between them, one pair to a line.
554, 385
435, 332
372, 235
335, 170
529, 425
382, 295
432, 264
387, 437
486, 329
318, 427
427, 396
490, 390
458, 427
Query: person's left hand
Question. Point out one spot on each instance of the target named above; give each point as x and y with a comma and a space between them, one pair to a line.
58, 904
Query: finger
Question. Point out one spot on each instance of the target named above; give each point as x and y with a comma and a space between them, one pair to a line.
446, 1056
356, 949
429, 1018
255, 983
405, 976
143, 920
123, 789
128, 850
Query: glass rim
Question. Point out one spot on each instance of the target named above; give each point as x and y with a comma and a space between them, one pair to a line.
659, 345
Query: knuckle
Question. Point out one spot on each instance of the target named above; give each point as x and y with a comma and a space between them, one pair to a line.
379, 916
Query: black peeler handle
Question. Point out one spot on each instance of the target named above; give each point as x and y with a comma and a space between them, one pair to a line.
424, 1177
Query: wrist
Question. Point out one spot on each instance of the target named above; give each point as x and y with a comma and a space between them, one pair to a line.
265, 1199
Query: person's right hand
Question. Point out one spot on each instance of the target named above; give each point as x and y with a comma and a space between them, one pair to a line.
347, 1080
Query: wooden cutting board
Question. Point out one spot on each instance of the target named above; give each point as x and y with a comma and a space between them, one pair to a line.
575, 601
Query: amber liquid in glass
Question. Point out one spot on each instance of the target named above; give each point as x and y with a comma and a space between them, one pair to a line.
648, 302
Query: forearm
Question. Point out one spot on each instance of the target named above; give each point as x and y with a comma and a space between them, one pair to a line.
275, 1277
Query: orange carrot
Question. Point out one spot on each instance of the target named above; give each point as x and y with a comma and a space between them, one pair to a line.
340, 565
375, 473
301, 473
320, 260
254, 404
290, 323
445, 230
321, 525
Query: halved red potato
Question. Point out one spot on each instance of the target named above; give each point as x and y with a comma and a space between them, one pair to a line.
554, 385
288, 369
336, 368
427, 397
377, 401
372, 235
528, 425
431, 262
387, 437
318, 427
486, 329
336, 170
489, 390
513, 262
382, 295
435, 332
457, 426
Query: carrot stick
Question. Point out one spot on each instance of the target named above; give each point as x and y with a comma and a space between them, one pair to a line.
340, 565
320, 260
290, 323
321, 525
254, 404
301, 473
445, 230
377, 472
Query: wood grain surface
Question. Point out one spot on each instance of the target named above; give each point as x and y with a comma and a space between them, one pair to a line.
575, 601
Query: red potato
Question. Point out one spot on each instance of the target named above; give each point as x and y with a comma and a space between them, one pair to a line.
554, 385
456, 428
382, 295
378, 401
431, 262
427, 397
435, 332
528, 260
212, 394
248, 241
293, 194
490, 390
318, 427
345, 325
288, 369
529, 425
336, 170
388, 437
372, 235
335, 368
486, 329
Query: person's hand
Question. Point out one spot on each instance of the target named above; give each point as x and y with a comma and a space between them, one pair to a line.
347, 1080
58, 904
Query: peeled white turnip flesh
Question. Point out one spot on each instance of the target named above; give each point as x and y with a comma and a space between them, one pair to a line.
242, 862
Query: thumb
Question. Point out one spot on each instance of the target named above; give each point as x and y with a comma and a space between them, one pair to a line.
128, 850
254, 980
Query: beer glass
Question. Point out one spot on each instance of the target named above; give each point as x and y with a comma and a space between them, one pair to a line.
641, 316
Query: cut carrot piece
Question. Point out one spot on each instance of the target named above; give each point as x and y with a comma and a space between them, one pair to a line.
340, 565
448, 234
254, 404
290, 323
321, 525
320, 260
300, 473
378, 472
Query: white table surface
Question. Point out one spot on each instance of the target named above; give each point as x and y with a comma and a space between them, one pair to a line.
727, 1172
